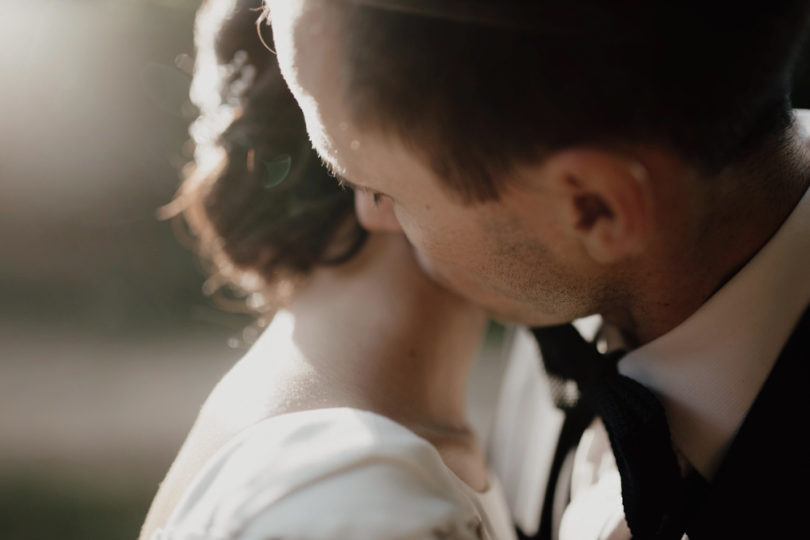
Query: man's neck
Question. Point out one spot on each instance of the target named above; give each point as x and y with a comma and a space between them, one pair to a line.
745, 206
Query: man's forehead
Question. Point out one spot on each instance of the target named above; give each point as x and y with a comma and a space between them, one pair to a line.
308, 40
305, 36
294, 10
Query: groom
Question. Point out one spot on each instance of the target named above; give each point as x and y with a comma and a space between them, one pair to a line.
639, 160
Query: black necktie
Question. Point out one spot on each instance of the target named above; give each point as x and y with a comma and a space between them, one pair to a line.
653, 490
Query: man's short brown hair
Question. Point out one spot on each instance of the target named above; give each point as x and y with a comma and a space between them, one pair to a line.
478, 86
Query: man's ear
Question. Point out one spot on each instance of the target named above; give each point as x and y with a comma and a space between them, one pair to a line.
606, 201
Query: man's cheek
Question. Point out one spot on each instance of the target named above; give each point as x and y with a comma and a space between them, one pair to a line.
445, 274
436, 253
439, 272
425, 263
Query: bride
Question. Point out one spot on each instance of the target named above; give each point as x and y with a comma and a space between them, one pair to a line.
346, 419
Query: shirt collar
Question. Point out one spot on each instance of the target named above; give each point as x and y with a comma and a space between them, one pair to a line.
708, 370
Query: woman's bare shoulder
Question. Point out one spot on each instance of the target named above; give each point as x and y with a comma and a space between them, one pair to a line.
271, 379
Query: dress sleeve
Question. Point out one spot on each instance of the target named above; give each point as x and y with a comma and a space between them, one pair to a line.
325, 474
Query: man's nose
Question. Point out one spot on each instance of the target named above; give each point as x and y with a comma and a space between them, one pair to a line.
375, 215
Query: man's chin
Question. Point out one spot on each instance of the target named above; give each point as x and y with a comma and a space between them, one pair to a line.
502, 310
509, 311
499, 308
523, 319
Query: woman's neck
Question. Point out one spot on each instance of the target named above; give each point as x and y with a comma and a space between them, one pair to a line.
380, 333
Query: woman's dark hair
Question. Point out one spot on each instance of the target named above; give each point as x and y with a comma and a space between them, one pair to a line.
263, 210
477, 86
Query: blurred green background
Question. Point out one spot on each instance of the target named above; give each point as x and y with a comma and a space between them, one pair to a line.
107, 344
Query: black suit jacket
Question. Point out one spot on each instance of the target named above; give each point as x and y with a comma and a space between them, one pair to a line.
762, 488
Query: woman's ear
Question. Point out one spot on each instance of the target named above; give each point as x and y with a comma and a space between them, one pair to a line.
606, 201
375, 212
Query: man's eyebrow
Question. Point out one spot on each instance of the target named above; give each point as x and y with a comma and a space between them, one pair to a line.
341, 180
345, 183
